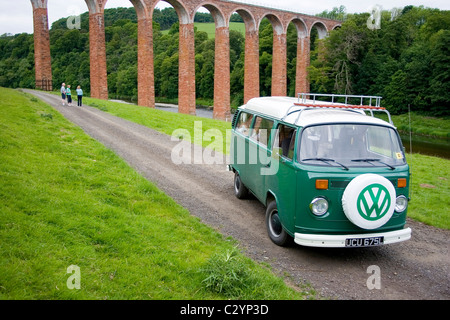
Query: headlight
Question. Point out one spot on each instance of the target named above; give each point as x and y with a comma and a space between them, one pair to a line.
319, 206
401, 203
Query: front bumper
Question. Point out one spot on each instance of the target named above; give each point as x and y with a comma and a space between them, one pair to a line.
338, 241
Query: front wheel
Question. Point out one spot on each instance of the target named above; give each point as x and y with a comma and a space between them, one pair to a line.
240, 190
275, 229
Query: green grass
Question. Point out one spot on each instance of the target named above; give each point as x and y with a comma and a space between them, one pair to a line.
428, 205
423, 125
167, 122
430, 190
420, 125
66, 200
208, 103
210, 28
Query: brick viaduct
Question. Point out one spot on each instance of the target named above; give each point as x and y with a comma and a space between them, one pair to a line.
221, 10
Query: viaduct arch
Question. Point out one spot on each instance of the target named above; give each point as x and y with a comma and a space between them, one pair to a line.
221, 10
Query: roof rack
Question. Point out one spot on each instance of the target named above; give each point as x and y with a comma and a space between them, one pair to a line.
308, 101
304, 96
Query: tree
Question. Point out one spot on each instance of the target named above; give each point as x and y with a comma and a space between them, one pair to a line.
335, 14
406, 61
439, 93
237, 82
169, 77
265, 57
396, 93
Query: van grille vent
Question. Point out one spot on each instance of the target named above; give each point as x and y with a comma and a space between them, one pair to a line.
342, 184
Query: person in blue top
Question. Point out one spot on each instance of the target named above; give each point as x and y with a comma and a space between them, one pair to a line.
69, 96
80, 96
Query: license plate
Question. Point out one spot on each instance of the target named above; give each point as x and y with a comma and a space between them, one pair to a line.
364, 242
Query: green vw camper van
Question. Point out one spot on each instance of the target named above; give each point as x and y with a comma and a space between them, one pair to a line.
330, 173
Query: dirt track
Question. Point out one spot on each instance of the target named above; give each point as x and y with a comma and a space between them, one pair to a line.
415, 269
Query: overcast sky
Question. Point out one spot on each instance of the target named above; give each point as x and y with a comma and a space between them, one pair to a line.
16, 16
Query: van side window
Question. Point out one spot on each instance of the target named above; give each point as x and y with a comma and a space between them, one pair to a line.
285, 140
261, 130
244, 122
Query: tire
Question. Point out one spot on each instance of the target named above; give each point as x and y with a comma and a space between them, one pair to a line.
369, 201
276, 232
240, 190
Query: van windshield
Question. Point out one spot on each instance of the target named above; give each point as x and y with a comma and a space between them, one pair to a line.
351, 145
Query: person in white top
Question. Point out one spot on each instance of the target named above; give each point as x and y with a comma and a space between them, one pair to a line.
63, 93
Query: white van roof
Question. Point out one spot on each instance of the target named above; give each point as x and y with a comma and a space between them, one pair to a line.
288, 109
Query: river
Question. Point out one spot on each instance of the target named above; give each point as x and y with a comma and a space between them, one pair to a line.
426, 145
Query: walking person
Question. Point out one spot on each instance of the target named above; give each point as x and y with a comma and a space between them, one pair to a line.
69, 96
63, 93
80, 96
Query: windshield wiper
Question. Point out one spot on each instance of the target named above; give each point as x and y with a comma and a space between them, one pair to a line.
326, 160
374, 160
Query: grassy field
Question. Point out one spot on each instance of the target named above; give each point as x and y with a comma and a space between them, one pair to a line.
430, 190
210, 28
163, 121
423, 125
67, 200
431, 175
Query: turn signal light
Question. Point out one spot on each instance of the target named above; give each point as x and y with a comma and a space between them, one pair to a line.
321, 184
401, 183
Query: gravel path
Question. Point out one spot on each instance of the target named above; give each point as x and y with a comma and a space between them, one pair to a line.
415, 269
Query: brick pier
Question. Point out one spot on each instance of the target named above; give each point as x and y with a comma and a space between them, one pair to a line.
42, 59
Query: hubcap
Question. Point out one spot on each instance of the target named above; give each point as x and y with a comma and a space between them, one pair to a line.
237, 184
275, 224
